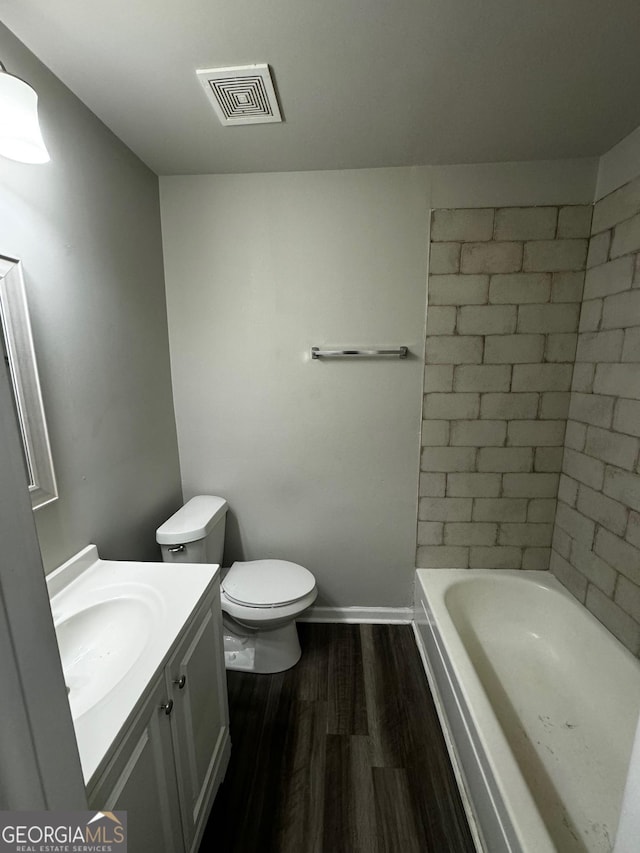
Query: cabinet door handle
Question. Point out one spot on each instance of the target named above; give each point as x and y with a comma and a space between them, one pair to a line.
180, 681
167, 707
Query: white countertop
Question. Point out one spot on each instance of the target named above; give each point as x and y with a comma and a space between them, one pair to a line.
153, 603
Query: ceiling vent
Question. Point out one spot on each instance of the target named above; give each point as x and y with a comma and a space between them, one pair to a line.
241, 95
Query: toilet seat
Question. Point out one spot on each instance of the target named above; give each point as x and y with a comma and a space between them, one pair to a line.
267, 584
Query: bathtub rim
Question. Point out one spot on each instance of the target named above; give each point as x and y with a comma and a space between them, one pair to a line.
431, 587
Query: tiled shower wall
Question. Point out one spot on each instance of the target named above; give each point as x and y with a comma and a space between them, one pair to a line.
596, 544
503, 305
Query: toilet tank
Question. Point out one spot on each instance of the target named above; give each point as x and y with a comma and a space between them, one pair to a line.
195, 533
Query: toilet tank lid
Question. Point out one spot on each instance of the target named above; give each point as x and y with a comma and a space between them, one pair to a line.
193, 521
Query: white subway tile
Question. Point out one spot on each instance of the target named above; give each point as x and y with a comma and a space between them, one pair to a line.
505, 459
633, 530
462, 224
582, 380
620, 380
594, 568
554, 255
491, 257
487, 320
621, 310
542, 510
458, 289
628, 598
525, 534
435, 433
618, 205
508, 406
631, 346
542, 377
618, 553
567, 286
598, 249
430, 532
568, 490
513, 349
591, 409
530, 485
590, 315
607, 512
614, 277
473, 485
548, 459
554, 404
561, 348
547, 319
478, 433
441, 320
575, 524
626, 418
519, 288
438, 377
623, 486
576, 435
626, 237
495, 557
500, 509
451, 406
454, 349
525, 223
448, 459
536, 559
494, 377
583, 468
473, 533
444, 258
611, 447
614, 618
561, 542
444, 509
432, 485
574, 221
568, 576
536, 433
600, 346
442, 557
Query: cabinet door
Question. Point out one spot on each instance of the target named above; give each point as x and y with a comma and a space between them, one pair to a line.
141, 779
200, 720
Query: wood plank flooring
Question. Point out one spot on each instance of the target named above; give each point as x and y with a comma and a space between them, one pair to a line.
341, 754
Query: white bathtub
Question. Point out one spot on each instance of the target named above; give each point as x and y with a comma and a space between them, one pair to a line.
539, 704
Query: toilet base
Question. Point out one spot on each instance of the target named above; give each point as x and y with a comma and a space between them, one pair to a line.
261, 651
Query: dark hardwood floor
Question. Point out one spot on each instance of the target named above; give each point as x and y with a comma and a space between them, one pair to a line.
341, 754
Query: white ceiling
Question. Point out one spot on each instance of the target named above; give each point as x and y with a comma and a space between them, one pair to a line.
361, 82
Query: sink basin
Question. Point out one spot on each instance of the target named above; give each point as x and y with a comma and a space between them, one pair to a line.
98, 646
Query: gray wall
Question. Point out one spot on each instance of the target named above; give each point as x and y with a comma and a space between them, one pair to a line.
87, 228
319, 460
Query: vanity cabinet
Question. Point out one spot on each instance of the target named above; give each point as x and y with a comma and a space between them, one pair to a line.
167, 768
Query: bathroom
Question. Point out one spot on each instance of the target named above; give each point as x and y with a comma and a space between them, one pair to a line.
142, 289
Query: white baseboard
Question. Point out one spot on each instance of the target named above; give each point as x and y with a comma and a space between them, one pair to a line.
373, 615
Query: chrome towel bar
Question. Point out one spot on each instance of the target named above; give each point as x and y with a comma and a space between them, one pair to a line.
400, 352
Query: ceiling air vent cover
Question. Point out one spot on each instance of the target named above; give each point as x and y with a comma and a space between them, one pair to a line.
241, 95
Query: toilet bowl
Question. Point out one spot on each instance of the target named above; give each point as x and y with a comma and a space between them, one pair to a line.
260, 599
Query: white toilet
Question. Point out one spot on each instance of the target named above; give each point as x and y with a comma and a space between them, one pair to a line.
261, 599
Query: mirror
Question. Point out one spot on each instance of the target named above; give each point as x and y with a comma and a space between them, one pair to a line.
20, 357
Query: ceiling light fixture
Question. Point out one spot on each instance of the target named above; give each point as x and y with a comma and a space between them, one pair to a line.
20, 135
